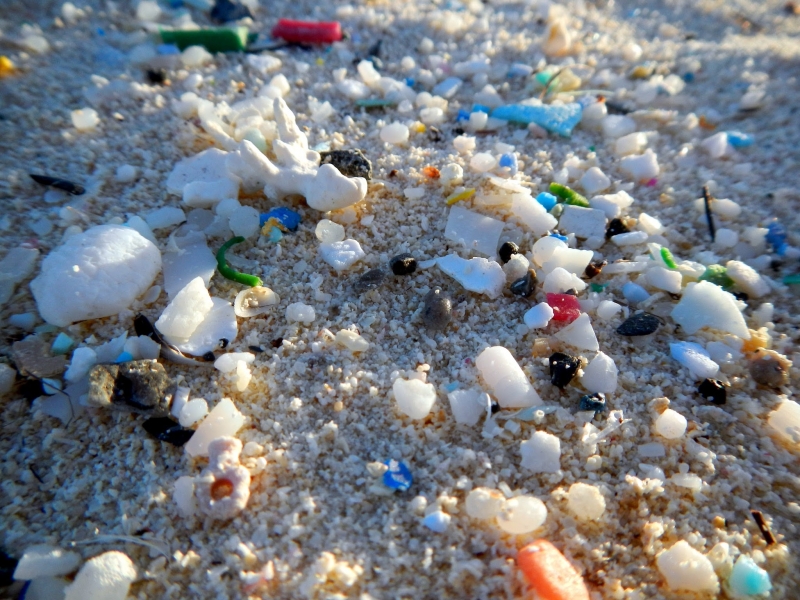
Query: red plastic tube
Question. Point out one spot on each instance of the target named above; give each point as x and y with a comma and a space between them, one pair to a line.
308, 32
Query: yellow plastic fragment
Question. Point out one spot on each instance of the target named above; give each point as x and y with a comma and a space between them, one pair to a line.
6, 66
320, 61
459, 196
272, 222
418, 127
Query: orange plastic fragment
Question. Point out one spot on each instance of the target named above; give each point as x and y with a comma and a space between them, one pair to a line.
549, 573
703, 122
431, 172
758, 340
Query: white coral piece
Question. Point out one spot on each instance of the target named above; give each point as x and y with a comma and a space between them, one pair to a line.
297, 170
223, 489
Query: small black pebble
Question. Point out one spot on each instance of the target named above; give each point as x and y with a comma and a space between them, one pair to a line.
277, 342
256, 349
225, 11
595, 402
525, 285
714, 390
507, 250
594, 269
495, 407
434, 134
223, 343
639, 324
157, 76
741, 296
369, 281
62, 184
615, 227
563, 368
166, 430
7, 567
436, 310
209, 357
350, 163
403, 264
458, 131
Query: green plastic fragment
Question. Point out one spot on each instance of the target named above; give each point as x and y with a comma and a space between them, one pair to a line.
374, 103
597, 287
232, 274
569, 196
718, 275
62, 344
792, 279
220, 39
668, 259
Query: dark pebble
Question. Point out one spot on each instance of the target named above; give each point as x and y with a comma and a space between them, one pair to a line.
595, 402
436, 312
156, 76
563, 368
639, 324
350, 163
256, 349
741, 296
166, 430
7, 567
525, 285
507, 250
62, 184
495, 407
714, 390
403, 264
141, 386
769, 369
209, 357
30, 389
277, 342
223, 343
594, 269
225, 11
369, 281
615, 227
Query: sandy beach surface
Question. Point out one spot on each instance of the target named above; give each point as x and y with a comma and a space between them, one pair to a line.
322, 418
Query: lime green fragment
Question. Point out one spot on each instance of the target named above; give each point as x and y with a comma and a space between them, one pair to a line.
374, 103
792, 279
458, 197
597, 287
221, 39
568, 195
668, 259
718, 275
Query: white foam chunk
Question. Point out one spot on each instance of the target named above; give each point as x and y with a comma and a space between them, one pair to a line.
300, 313
414, 398
477, 274
484, 503
507, 380
532, 214
544, 248
704, 304
341, 255
394, 133
223, 421
473, 230
560, 280
586, 501
538, 316
685, 568
193, 411
747, 279
671, 424
97, 273
594, 181
468, 405
522, 514
694, 357
580, 334
166, 216
664, 279
43, 560
642, 167
185, 312
85, 119
516, 267
583, 222
541, 453
716, 145
571, 260
786, 420
104, 577
187, 263
600, 375
612, 204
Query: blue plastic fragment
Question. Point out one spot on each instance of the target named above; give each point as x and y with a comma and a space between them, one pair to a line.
451, 387
101, 32
595, 402
285, 216
463, 115
519, 70
737, 139
688, 77
481, 108
322, 147
633, 292
555, 118
398, 476
748, 579
776, 237
410, 82
547, 200
509, 161
62, 344
167, 49
124, 357
275, 235
558, 236
448, 87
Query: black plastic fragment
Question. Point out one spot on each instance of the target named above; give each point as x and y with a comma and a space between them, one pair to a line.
436, 311
225, 11
639, 324
403, 264
595, 402
256, 349
615, 227
707, 201
714, 390
525, 285
350, 163
563, 368
61, 184
507, 250
7, 567
617, 108
165, 429
156, 76
370, 280
594, 269
277, 342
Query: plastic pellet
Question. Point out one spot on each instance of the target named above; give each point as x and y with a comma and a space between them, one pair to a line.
403, 264
566, 307
436, 310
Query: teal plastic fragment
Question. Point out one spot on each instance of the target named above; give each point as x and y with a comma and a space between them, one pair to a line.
62, 344
124, 357
275, 235
374, 103
555, 118
748, 579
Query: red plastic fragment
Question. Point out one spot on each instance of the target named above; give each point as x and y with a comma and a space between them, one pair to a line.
308, 32
566, 307
550, 575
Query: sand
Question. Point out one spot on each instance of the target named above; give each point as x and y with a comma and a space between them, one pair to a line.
320, 418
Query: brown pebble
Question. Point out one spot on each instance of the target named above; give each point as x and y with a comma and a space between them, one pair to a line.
719, 522
32, 356
770, 369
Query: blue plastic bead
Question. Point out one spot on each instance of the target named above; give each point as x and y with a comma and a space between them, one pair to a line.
776, 237
560, 119
748, 579
547, 200
286, 216
398, 476
737, 139
633, 292
508, 160
558, 236
595, 402
463, 115
480, 108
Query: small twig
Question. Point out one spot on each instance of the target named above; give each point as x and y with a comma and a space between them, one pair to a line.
707, 200
549, 83
758, 517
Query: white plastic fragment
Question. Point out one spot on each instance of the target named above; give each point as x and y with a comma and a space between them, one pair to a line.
484, 503
414, 398
607, 309
300, 313
43, 560
83, 359
643, 167
716, 145
224, 420
351, 340
612, 204
571, 260
694, 357
97, 273
586, 501
532, 214
545, 247
329, 232
583, 222
437, 521
747, 279
473, 230
254, 301
650, 225
183, 495
580, 334
538, 316
203, 180
664, 279
166, 216
85, 119
594, 181
615, 126
468, 406
704, 304
685, 568
244, 221
633, 143
516, 267
671, 424
394, 133
560, 280
16, 266
341, 255
507, 380
786, 420
477, 275
185, 312
522, 514
600, 375
193, 411
630, 239
186, 262
687, 480
105, 577
541, 453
